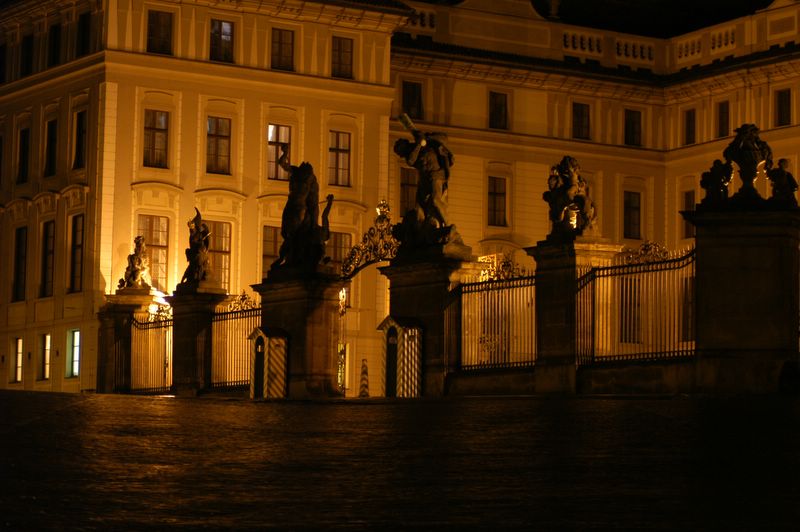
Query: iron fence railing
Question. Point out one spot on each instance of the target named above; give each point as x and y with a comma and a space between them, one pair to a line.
638, 311
230, 359
498, 323
151, 356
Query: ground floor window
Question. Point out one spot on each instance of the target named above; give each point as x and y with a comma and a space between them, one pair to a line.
73, 353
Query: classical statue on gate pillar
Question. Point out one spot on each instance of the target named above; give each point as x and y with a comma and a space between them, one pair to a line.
784, 185
303, 245
750, 154
199, 268
137, 272
572, 211
427, 224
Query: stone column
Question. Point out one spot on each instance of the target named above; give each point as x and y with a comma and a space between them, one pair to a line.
307, 309
559, 263
192, 314
747, 297
425, 291
114, 344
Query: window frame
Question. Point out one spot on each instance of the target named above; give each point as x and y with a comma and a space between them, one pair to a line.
340, 158
282, 50
19, 358
497, 211
414, 109
20, 270
628, 210
151, 135
632, 129
47, 271
156, 248
50, 167
689, 130
83, 34
26, 55
725, 131
45, 353
269, 244
74, 347
54, 40
77, 248
23, 154
219, 250
220, 49
408, 189
783, 107
160, 40
214, 161
499, 117
80, 138
274, 171
581, 121
342, 61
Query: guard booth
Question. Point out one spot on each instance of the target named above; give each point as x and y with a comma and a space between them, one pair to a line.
402, 355
268, 364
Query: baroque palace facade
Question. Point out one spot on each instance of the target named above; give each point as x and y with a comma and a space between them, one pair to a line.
119, 117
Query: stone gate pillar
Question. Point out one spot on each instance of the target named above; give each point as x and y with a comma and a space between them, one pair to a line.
114, 345
425, 290
192, 314
559, 263
747, 298
306, 307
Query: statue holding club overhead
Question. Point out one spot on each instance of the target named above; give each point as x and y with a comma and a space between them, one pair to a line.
199, 268
428, 223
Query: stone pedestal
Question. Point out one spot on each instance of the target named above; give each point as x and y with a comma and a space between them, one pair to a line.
306, 307
559, 263
424, 291
114, 344
747, 289
192, 314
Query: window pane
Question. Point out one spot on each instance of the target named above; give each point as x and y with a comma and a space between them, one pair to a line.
412, 100
498, 110
689, 127
580, 121
159, 32
723, 119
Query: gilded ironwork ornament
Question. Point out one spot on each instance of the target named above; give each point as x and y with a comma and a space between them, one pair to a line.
377, 244
162, 312
648, 252
242, 302
500, 266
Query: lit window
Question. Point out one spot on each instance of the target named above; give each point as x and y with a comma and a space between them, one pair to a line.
783, 107
631, 216
218, 147
76, 254
412, 100
219, 250
688, 205
18, 358
79, 157
282, 53
497, 201
48, 258
155, 230
342, 58
23, 155
74, 353
20, 263
498, 110
277, 135
271, 248
51, 148
159, 32
408, 190
221, 41
723, 119
689, 127
339, 158
44, 357
83, 35
156, 138
633, 127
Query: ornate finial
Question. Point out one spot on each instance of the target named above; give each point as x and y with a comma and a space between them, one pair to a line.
750, 153
376, 245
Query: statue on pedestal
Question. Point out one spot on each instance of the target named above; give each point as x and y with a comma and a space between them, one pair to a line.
199, 268
304, 239
715, 182
137, 273
572, 211
783, 184
428, 223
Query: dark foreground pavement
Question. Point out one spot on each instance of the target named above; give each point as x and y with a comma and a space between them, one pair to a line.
94, 462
